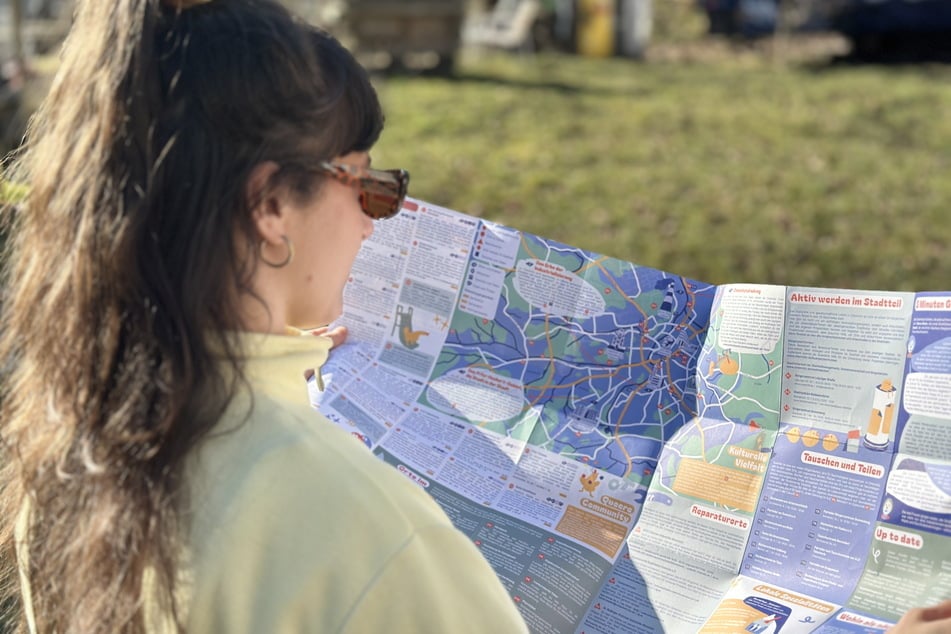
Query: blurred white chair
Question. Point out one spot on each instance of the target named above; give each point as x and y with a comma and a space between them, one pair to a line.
508, 25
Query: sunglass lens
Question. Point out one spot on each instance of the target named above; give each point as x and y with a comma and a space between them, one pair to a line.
381, 196
379, 205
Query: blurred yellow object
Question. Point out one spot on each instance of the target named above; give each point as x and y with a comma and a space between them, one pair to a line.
596, 32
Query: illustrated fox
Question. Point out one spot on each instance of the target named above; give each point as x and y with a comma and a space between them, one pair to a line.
590, 482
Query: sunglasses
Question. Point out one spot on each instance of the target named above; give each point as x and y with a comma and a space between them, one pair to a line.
381, 191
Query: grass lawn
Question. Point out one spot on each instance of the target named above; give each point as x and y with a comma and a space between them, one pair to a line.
728, 165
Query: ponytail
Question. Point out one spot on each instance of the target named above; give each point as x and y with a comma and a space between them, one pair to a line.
122, 278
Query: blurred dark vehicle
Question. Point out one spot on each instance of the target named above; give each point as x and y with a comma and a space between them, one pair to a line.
749, 18
878, 27
875, 27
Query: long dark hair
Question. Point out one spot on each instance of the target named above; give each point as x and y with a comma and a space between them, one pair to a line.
123, 274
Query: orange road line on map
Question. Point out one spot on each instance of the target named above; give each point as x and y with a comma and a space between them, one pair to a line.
703, 440
593, 263
619, 290
679, 396
696, 418
617, 429
551, 366
526, 247
692, 298
609, 375
627, 456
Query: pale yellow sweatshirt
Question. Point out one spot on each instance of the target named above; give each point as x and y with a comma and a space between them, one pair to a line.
297, 527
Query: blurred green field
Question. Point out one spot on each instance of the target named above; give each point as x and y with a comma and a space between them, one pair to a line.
725, 164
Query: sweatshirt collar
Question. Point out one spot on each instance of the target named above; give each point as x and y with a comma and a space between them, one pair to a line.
282, 362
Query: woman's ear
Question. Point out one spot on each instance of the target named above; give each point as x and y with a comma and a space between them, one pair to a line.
266, 202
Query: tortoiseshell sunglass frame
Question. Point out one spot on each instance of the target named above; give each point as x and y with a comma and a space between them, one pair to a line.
382, 192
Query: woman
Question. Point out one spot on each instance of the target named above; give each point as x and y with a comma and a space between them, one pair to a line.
198, 187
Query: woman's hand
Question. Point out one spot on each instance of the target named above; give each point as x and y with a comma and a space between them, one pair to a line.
933, 620
338, 335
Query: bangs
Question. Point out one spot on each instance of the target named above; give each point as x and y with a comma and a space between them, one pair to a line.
355, 109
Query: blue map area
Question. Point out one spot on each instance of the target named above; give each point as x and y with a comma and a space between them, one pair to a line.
604, 351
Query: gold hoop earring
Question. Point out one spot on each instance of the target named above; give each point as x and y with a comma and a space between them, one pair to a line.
285, 261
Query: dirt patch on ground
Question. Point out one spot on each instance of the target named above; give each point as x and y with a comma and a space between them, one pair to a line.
795, 49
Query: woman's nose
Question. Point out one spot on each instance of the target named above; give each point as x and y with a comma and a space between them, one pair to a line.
367, 226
